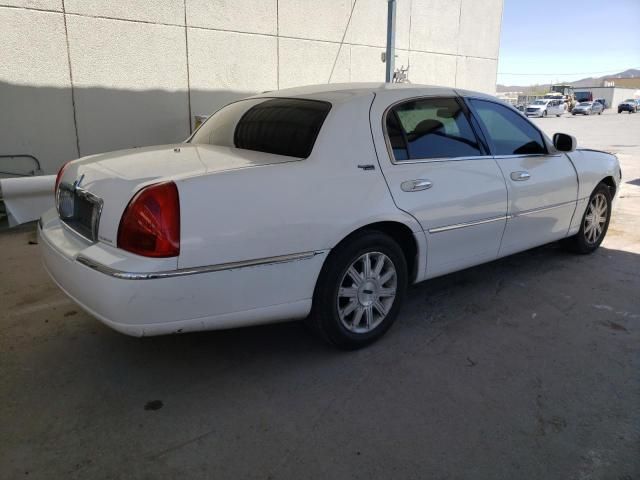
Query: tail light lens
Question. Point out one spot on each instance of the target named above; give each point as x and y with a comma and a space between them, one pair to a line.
150, 225
60, 174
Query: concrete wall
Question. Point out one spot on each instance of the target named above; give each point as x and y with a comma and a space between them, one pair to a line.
83, 76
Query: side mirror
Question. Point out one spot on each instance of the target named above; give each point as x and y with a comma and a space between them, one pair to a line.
564, 142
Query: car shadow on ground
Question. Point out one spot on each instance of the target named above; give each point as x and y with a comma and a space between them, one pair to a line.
472, 295
532, 356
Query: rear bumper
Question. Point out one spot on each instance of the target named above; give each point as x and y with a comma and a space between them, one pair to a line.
141, 306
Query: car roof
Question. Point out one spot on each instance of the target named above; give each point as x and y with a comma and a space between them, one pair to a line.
343, 92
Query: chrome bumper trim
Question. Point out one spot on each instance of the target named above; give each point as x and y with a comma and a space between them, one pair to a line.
181, 272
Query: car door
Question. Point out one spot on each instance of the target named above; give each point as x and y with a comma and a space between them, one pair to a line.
438, 171
542, 183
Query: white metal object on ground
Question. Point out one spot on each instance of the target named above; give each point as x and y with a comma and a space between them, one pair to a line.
26, 198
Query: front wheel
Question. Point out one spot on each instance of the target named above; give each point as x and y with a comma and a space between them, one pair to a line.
544, 114
360, 290
595, 222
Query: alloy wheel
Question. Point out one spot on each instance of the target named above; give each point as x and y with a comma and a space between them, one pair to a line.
596, 217
366, 292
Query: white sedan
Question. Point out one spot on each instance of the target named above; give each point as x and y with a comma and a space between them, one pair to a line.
544, 107
321, 202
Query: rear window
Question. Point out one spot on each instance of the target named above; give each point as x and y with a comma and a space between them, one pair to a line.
281, 126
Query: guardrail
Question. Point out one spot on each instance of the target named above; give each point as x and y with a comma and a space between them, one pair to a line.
36, 171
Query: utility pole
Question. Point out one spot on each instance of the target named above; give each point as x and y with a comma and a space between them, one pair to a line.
391, 41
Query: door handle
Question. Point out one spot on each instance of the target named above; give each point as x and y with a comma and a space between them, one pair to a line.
520, 176
415, 185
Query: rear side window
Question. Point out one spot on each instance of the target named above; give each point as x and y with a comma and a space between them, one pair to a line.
430, 128
508, 131
281, 126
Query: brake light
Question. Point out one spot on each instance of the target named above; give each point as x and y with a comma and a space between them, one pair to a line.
59, 175
150, 225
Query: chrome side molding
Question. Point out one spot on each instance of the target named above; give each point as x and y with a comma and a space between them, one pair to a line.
181, 272
522, 213
446, 228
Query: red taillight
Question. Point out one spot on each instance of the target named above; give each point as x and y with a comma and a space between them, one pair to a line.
59, 176
150, 225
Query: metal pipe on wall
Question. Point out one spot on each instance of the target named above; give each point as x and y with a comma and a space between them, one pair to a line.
391, 41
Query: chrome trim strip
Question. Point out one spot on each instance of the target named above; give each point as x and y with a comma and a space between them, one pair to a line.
443, 159
446, 228
456, 226
181, 272
529, 155
543, 209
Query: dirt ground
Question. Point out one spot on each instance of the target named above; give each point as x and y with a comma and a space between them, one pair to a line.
524, 368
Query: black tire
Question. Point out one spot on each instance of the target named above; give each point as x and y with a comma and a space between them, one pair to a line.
580, 242
544, 114
325, 317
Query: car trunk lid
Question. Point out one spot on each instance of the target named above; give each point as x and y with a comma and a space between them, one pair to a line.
111, 179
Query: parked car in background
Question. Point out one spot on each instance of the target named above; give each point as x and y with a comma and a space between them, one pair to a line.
603, 102
583, 96
322, 202
545, 107
587, 108
629, 105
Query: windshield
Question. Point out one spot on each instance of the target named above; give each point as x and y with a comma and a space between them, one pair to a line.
281, 126
539, 102
630, 100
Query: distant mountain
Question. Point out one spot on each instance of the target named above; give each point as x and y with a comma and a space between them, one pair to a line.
584, 82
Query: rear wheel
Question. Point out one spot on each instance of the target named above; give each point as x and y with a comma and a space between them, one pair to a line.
360, 290
595, 222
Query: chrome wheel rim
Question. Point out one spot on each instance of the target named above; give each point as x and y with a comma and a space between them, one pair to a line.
366, 292
595, 218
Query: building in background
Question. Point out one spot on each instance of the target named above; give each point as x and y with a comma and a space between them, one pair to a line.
509, 97
79, 77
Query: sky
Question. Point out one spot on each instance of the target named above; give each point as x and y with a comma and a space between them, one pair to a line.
545, 41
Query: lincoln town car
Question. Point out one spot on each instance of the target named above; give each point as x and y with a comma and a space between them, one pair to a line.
321, 203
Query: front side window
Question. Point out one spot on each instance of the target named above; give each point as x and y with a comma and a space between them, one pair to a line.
508, 131
430, 128
281, 126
